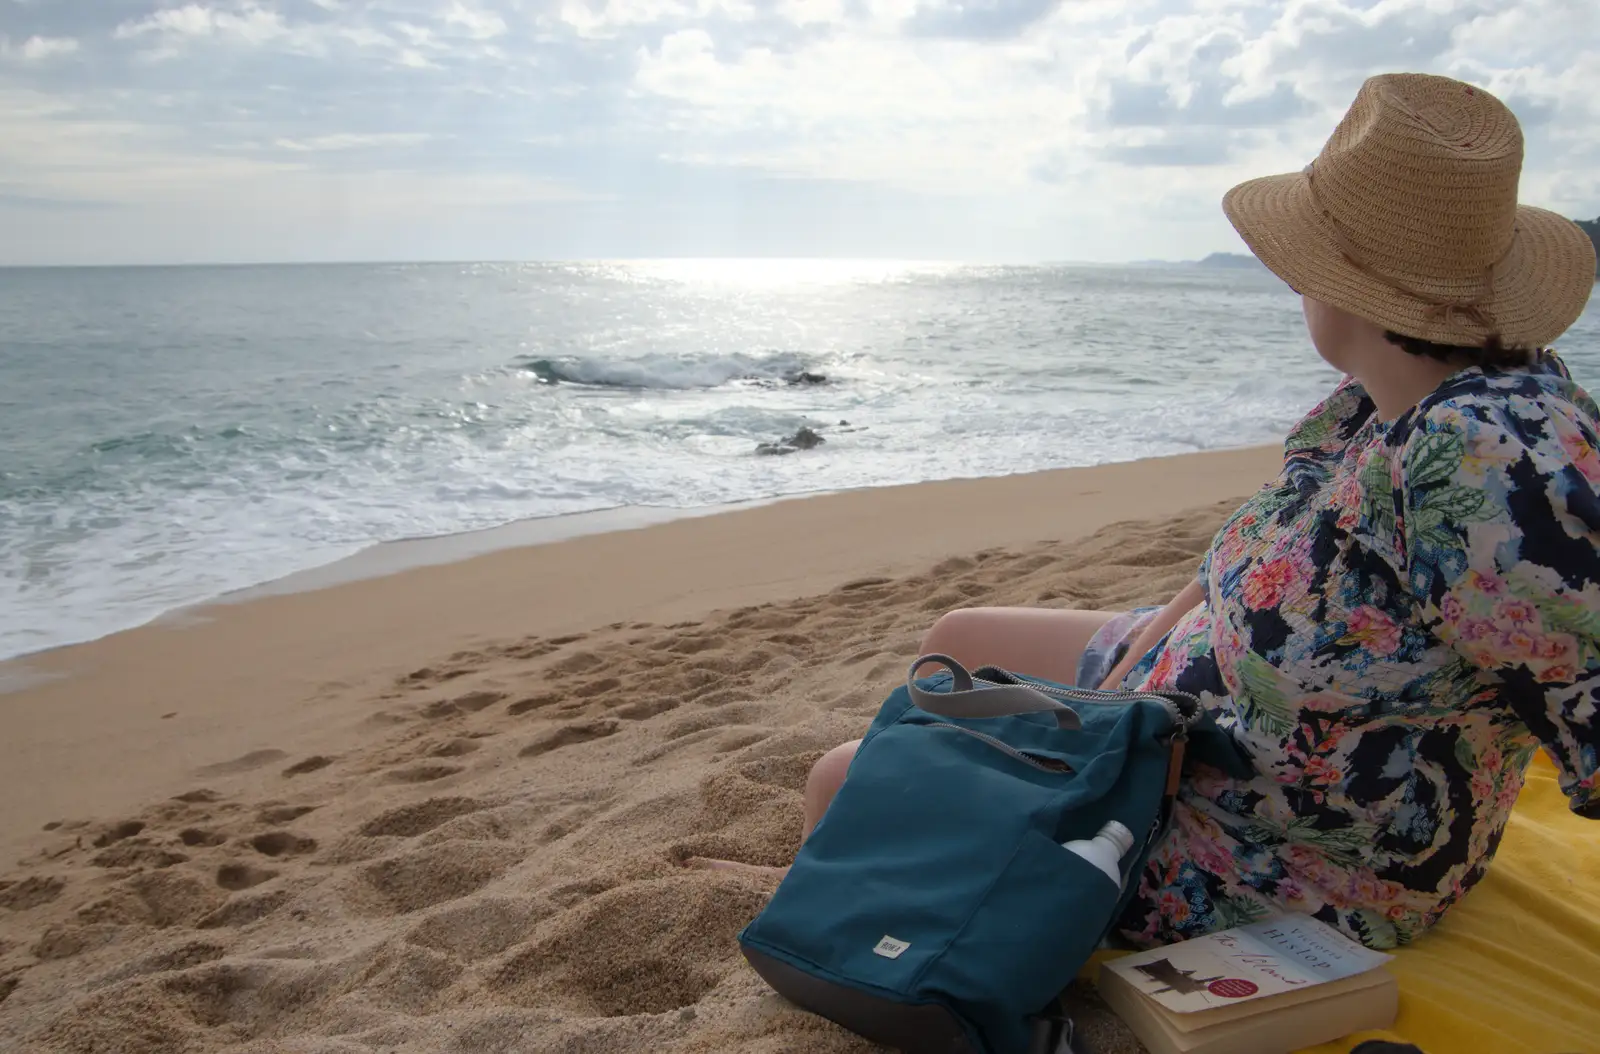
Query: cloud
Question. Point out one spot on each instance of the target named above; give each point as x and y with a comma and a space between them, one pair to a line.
606, 18
349, 141
249, 24
977, 19
1141, 104
37, 49
475, 22
1016, 128
1176, 153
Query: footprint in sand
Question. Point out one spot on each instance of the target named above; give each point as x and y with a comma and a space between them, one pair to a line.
690, 645
184, 956
666, 943
673, 746
568, 735
571, 822
408, 821
240, 1001
429, 676
201, 838
67, 941
574, 893
412, 881
137, 854
723, 697
413, 981
536, 648
282, 843
861, 656
311, 764
534, 702
277, 814
235, 877
722, 718
577, 663
455, 748
864, 583
154, 898
883, 669
423, 773
646, 709
479, 928
594, 688
117, 832
440, 710
472, 702
533, 648
785, 771
243, 910
738, 740
32, 892
245, 763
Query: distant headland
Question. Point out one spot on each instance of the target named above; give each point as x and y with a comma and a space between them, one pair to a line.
1227, 261
1592, 229
1246, 262
1236, 261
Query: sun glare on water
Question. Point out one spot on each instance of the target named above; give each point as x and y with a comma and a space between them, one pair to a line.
767, 273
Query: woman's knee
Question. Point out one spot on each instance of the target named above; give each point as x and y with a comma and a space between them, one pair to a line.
826, 777
953, 632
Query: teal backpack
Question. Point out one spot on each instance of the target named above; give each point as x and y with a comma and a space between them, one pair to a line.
934, 908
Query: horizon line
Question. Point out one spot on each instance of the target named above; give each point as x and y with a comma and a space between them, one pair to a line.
731, 258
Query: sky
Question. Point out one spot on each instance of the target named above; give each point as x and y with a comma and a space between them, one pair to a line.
155, 131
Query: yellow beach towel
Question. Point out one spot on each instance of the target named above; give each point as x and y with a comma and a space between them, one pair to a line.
1515, 967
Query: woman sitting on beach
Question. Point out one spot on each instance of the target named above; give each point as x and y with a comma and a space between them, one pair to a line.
1395, 624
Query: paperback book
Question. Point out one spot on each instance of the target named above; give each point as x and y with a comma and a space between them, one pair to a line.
1268, 987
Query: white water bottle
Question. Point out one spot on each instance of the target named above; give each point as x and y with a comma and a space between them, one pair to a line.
1105, 849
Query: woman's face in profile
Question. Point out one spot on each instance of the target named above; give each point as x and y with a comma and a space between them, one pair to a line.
1331, 331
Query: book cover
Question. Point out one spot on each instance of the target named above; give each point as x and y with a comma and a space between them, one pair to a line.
1282, 954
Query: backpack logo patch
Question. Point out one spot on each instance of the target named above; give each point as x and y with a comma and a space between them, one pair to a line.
890, 948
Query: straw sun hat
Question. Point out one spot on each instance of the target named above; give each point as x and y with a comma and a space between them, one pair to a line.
1409, 219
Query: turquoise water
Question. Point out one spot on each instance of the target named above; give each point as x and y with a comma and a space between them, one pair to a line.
168, 435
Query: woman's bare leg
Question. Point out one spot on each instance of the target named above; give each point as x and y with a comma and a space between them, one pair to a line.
1043, 642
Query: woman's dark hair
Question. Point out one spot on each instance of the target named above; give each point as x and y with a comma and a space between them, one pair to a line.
1492, 352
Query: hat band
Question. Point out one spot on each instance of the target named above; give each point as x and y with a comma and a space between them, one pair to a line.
1473, 309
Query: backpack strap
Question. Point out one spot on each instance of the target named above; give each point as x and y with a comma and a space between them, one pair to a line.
966, 700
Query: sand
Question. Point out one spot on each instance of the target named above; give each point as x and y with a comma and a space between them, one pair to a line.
444, 810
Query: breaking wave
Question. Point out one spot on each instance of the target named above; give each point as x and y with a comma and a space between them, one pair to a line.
674, 372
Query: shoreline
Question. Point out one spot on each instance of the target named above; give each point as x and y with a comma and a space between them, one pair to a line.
398, 555
379, 559
236, 688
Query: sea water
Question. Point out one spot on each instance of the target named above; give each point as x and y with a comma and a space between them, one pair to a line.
168, 435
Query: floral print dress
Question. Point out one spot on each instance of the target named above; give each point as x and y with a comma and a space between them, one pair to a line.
1391, 628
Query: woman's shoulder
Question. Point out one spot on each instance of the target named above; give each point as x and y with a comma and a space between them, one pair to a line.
1327, 427
1512, 405
1483, 419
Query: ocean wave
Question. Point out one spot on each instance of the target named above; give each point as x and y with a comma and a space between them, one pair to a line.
674, 372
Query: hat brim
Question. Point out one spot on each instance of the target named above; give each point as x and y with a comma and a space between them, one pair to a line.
1540, 288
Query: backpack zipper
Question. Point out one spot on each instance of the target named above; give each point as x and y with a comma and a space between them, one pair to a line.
1058, 768
1106, 696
